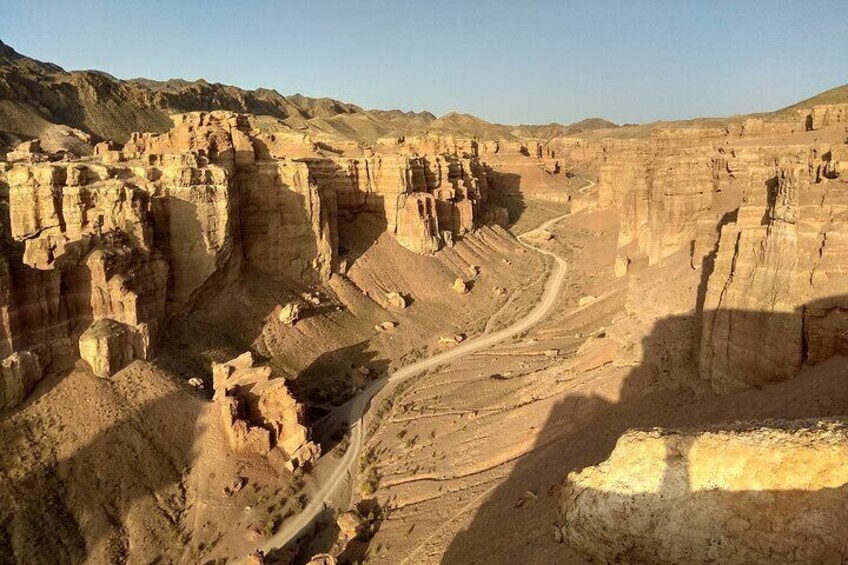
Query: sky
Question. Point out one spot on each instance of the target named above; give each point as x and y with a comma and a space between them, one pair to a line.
515, 62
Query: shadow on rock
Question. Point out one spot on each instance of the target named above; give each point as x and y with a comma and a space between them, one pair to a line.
117, 496
582, 428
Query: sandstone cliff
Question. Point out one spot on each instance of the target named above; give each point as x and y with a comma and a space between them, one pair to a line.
777, 295
101, 251
757, 206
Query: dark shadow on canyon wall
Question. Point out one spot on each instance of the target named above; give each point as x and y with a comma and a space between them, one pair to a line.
505, 191
582, 429
358, 232
276, 221
59, 510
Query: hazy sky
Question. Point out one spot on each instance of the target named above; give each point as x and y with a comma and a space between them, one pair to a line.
517, 61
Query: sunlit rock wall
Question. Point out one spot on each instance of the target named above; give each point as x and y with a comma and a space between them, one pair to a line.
759, 493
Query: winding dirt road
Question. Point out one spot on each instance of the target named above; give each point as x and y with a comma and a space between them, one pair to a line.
355, 410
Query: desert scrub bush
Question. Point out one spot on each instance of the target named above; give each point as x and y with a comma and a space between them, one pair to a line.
271, 526
370, 483
366, 458
343, 445
371, 477
300, 502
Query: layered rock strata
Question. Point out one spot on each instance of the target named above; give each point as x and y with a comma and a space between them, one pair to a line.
760, 493
778, 294
760, 208
259, 415
673, 186
108, 247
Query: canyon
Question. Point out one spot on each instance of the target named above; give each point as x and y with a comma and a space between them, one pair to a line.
237, 325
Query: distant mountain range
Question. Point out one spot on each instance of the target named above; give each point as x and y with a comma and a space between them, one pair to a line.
35, 95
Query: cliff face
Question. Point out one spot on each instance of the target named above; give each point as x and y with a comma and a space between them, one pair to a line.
777, 295
759, 207
671, 194
99, 252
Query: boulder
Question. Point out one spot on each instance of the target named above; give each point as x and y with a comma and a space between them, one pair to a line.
289, 314
452, 340
109, 346
540, 235
235, 486
350, 525
19, 373
460, 286
447, 237
396, 300
29, 151
586, 300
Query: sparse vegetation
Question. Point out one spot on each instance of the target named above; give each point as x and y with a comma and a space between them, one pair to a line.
368, 469
271, 526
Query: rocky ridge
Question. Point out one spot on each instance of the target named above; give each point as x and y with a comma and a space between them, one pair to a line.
100, 251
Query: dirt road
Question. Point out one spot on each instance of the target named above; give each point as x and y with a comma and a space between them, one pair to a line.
355, 409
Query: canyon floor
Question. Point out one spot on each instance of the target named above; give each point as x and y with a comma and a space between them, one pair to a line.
492, 435
470, 456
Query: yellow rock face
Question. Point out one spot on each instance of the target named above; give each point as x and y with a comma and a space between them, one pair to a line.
746, 494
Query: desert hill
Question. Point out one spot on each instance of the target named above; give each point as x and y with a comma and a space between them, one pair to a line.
36, 94
836, 95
